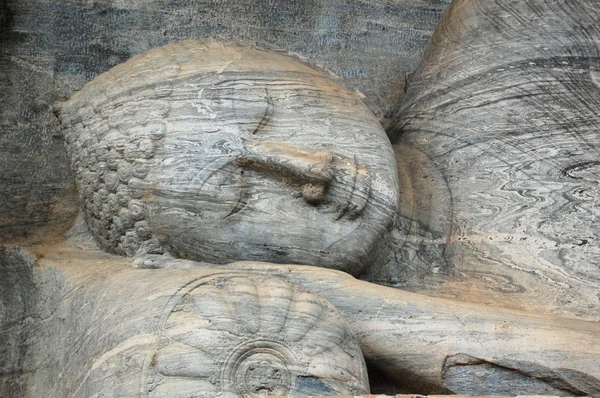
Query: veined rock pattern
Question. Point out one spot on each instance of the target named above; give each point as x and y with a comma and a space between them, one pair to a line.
200, 153
505, 111
52, 48
218, 151
251, 336
127, 316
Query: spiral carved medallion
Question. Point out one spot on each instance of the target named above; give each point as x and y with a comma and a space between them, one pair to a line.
244, 335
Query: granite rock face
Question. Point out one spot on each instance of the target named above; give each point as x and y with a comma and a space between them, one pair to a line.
50, 49
495, 147
165, 333
18, 308
499, 136
143, 329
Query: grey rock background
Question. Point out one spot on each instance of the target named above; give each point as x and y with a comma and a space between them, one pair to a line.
49, 49
18, 307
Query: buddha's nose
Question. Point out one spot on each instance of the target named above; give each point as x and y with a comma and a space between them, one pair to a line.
321, 174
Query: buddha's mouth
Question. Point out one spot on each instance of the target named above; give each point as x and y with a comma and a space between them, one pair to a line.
322, 176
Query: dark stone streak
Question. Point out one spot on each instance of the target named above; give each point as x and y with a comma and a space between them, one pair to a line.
17, 310
463, 373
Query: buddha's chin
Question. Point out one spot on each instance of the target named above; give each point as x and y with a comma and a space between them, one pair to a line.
271, 225
219, 253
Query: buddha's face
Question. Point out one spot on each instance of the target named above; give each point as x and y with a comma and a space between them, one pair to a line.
249, 155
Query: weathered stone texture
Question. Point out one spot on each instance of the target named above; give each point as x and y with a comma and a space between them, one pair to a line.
174, 333
417, 396
49, 49
499, 140
497, 149
410, 341
18, 299
219, 151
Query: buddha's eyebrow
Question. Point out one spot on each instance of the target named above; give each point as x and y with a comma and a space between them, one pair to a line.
267, 115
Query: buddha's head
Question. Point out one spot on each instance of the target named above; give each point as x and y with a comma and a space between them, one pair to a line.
220, 152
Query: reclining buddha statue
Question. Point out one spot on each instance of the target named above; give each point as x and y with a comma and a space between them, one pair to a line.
217, 151
248, 229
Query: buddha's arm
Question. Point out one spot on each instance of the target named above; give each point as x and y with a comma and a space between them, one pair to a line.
432, 345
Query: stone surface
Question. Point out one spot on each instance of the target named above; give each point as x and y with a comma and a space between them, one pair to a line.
50, 49
161, 333
419, 396
249, 335
498, 140
495, 142
410, 342
428, 345
218, 151
18, 303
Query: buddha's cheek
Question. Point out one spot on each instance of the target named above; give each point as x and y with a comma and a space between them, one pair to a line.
273, 223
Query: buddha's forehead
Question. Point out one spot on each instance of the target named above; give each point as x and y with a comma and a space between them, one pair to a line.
209, 88
319, 114
156, 70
